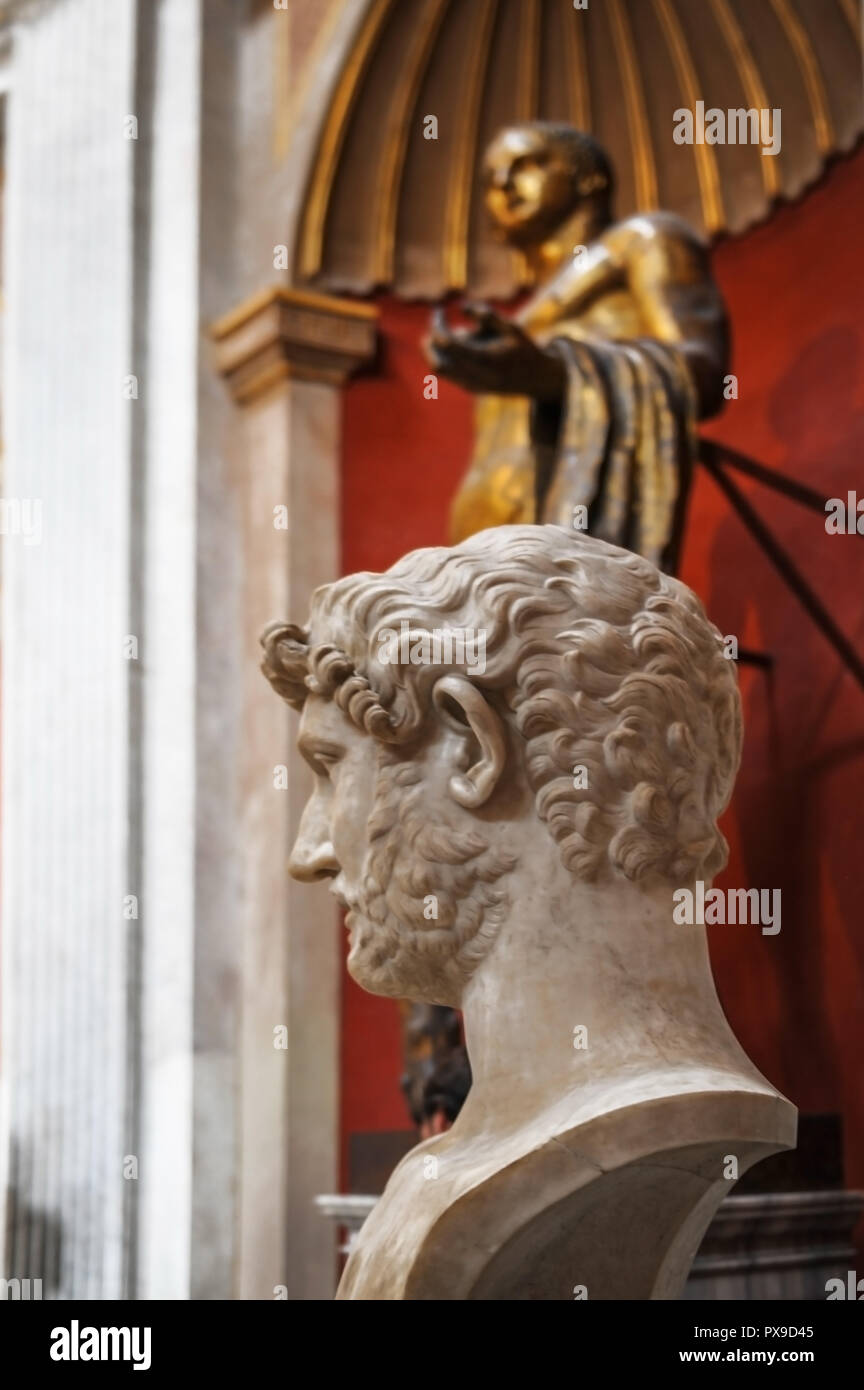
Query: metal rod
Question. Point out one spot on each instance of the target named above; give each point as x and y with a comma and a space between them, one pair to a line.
786, 567
753, 658
799, 492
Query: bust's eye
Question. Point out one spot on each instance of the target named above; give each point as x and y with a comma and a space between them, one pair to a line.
321, 757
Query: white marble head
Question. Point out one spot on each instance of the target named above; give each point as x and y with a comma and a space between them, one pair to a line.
530, 686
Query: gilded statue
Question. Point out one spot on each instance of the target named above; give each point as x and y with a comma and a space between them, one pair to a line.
588, 397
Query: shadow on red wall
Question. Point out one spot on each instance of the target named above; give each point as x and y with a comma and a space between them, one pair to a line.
796, 297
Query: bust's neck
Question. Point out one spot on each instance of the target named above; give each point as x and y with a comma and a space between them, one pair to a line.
607, 959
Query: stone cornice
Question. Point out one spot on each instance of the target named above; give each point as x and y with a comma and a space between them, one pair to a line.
280, 333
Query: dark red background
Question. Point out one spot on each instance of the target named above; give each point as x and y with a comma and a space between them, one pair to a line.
795, 290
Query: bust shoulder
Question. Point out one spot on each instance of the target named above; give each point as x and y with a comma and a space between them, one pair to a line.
533, 1212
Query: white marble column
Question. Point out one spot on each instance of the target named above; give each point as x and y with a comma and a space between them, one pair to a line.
68, 1041
188, 578
121, 1018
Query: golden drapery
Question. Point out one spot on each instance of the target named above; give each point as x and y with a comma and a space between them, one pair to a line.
620, 444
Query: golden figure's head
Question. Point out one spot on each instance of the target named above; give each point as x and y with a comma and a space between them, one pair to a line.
537, 175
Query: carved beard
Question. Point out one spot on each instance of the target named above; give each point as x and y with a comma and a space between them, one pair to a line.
415, 868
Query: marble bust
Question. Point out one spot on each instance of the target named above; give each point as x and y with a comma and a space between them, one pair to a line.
520, 747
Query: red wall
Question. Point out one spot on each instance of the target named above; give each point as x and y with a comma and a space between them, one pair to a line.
795, 291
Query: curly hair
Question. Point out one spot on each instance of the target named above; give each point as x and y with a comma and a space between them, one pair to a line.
595, 659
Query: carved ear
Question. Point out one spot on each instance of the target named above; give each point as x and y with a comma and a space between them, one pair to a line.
464, 709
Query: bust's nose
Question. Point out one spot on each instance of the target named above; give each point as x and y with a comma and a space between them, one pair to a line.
313, 856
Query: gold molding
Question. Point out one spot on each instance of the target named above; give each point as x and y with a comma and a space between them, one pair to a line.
324, 170
853, 18
458, 210
281, 333
528, 61
806, 59
396, 145
580, 87
751, 80
637, 121
704, 156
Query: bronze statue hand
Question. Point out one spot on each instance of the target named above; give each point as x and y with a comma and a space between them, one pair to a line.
496, 356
